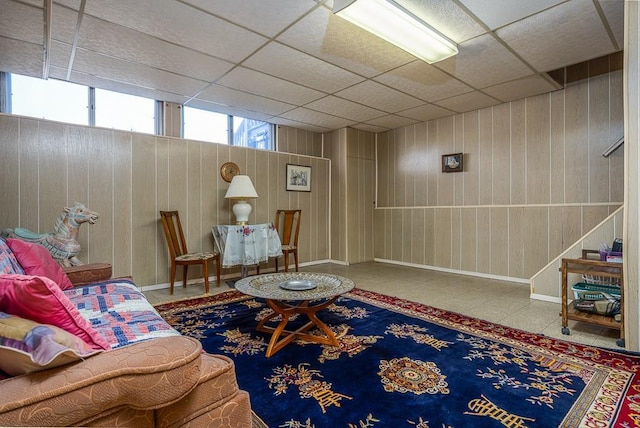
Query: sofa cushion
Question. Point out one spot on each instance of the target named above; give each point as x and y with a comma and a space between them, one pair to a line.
39, 299
36, 260
27, 346
8, 262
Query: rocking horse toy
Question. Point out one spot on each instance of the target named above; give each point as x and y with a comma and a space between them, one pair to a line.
62, 243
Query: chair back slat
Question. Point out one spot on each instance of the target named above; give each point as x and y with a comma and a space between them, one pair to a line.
288, 226
173, 232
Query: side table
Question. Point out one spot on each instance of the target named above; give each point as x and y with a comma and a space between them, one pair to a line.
246, 245
292, 293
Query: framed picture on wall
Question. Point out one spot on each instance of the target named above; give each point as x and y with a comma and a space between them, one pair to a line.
452, 162
298, 178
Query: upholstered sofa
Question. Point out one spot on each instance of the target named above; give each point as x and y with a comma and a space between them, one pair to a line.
112, 360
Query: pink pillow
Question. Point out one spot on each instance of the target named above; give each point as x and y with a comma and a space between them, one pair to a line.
39, 299
36, 260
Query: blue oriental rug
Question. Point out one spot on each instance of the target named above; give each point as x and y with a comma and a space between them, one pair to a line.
404, 364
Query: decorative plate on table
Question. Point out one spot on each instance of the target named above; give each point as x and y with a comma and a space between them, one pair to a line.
298, 284
228, 170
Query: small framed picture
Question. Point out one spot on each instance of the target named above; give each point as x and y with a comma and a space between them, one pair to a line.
298, 178
452, 162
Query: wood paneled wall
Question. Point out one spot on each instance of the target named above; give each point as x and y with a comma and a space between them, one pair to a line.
632, 184
128, 177
352, 154
534, 181
299, 141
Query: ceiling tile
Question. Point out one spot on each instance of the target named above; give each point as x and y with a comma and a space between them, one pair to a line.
22, 22
423, 81
180, 24
300, 125
235, 98
391, 121
36, 3
106, 38
466, 102
304, 115
566, 34
344, 108
483, 62
369, 127
426, 112
521, 88
294, 62
267, 17
446, 17
63, 28
289, 64
127, 72
110, 85
380, 97
268, 86
496, 13
614, 11
21, 57
336, 40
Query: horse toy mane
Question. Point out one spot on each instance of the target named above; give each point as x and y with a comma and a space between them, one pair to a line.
62, 243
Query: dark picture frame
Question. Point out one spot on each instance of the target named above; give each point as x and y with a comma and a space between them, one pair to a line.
298, 178
452, 162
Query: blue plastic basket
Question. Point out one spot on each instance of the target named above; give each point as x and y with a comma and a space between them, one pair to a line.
594, 291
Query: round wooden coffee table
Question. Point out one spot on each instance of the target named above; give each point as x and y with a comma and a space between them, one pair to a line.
291, 293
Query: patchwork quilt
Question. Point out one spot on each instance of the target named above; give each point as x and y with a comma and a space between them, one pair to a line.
120, 312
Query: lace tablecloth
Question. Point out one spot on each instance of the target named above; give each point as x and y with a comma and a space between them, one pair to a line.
246, 245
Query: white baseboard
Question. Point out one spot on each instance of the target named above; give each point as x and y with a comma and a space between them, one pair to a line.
546, 298
456, 271
224, 277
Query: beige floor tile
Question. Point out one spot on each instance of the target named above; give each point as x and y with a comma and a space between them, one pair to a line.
501, 302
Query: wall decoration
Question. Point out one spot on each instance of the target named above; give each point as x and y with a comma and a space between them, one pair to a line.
298, 178
228, 170
452, 162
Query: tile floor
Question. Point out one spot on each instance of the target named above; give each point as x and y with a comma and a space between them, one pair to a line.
501, 302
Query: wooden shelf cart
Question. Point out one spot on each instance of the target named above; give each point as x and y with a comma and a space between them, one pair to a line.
598, 269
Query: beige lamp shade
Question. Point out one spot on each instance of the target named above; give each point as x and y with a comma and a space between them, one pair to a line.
241, 189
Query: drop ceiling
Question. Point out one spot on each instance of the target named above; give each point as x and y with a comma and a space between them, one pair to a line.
294, 63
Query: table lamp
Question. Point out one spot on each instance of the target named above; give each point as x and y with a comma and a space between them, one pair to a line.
241, 189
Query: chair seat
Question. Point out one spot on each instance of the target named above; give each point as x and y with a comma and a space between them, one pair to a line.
196, 256
288, 247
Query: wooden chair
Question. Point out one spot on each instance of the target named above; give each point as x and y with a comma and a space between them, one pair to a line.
288, 226
181, 256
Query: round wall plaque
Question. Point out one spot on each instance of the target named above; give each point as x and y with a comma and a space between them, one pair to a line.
228, 170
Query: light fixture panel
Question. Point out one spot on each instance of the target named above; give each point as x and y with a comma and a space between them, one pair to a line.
393, 23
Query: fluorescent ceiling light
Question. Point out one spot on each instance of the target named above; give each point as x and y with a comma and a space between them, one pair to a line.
393, 23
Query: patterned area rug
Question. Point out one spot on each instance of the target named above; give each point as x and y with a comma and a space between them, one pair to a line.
404, 364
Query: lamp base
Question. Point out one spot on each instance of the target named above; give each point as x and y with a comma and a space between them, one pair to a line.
241, 209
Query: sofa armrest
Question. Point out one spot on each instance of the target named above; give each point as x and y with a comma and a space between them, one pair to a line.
145, 375
86, 274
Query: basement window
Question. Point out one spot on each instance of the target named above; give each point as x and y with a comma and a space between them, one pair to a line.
125, 112
203, 125
220, 128
48, 99
252, 133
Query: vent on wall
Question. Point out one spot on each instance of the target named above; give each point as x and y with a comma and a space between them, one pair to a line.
584, 70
